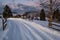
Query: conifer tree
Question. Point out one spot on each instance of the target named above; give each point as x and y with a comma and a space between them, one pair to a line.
42, 15
7, 12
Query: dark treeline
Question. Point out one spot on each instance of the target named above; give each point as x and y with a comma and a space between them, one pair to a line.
8, 13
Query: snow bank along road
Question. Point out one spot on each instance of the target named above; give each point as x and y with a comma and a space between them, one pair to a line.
20, 29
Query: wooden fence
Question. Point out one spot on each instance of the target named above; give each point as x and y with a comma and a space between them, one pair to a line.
4, 23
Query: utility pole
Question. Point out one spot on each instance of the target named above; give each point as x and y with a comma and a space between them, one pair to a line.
50, 18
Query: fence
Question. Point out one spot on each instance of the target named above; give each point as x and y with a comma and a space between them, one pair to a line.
4, 23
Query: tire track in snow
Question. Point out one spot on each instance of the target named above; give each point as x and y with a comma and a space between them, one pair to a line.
35, 35
53, 32
20, 26
21, 29
12, 32
16, 31
26, 32
38, 38
30, 35
39, 30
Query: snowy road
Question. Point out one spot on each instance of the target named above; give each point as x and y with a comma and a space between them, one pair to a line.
20, 29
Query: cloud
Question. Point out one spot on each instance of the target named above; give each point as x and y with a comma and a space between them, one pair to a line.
26, 2
31, 4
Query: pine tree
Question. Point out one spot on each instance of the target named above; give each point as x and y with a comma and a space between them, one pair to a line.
7, 12
57, 14
42, 15
54, 15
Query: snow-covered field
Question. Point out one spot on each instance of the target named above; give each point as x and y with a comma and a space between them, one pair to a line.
20, 29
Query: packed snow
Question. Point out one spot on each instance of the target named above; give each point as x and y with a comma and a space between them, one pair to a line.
1, 31
21, 29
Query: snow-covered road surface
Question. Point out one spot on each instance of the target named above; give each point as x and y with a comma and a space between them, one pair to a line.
20, 29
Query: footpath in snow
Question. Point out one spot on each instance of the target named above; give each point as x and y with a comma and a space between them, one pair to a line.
20, 29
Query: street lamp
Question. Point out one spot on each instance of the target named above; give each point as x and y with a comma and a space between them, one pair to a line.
50, 18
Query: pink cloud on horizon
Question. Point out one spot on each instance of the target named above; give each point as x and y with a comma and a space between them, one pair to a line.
31, 4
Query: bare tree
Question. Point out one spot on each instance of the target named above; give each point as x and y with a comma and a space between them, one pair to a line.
46, 5
53, 5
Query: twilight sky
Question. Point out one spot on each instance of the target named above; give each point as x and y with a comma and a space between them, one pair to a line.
34, 3
26, 2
